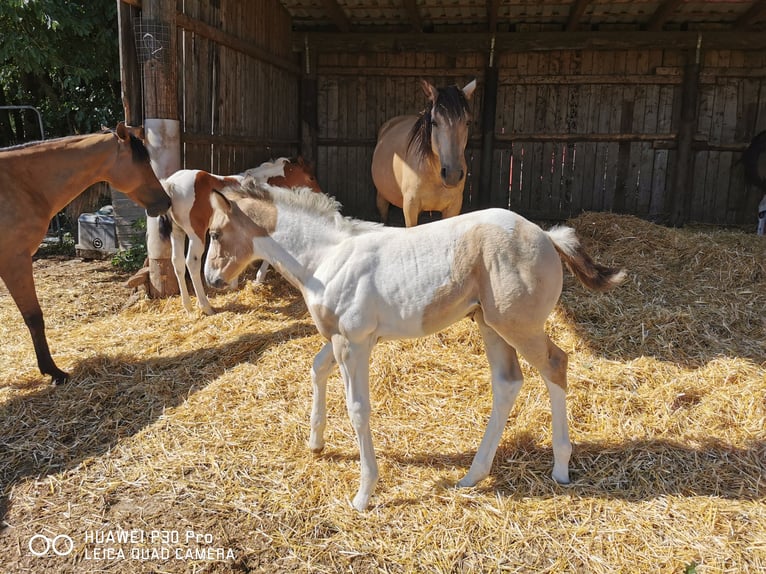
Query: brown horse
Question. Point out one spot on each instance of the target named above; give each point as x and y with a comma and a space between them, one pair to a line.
419, 161
38, 180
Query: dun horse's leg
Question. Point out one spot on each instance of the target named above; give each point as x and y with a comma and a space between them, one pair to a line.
506, 383
411, 208
551, 361
194, 263
320, 370
453, 208
177, 243
20, 282
383, 205
354, 362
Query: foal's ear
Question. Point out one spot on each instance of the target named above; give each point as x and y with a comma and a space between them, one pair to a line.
469, 88
219, 202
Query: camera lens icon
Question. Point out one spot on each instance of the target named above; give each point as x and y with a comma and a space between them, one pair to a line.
41, 545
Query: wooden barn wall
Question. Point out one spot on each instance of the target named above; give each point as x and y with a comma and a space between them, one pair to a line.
574, 130
237, 108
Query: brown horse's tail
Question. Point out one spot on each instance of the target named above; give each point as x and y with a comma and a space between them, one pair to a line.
591, 274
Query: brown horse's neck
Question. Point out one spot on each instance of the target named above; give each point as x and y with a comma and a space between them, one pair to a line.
65, 167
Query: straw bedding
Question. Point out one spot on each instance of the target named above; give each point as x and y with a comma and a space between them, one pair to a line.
174, 423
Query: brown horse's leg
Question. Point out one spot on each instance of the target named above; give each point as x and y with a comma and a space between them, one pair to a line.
453, 208
20, 282
383, 206
411, 210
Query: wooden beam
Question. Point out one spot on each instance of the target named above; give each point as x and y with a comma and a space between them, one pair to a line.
337, 15
413, 14
237, 44
575, 14
526, 41
134, 3
661, 15
756, 12
493, 9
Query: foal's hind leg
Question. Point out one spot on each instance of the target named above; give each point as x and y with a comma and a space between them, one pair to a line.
194, 264
551, 361
18, 277
177, 244
506, 383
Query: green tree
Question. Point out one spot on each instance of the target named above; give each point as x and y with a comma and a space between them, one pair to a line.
62, 57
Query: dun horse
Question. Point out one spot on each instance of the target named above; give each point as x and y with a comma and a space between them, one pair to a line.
419, 161
37, 181
363, 282
190, 215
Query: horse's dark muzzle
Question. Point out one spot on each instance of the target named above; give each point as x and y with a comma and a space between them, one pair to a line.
451, 178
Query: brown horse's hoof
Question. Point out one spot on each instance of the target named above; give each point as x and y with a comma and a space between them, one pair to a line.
59, 378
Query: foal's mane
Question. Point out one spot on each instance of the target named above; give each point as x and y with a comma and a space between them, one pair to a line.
303, 199
452, 104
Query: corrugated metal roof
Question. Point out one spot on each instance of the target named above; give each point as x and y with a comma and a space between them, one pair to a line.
509, 15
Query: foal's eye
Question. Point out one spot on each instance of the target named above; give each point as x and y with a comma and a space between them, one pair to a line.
215, 235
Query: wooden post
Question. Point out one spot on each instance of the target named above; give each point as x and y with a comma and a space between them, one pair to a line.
309, 116
683, 180
484, 197
158, 56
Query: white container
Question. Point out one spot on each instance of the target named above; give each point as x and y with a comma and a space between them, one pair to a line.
96, 232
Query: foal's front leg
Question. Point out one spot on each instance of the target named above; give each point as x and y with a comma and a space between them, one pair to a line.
354, 362
320, 370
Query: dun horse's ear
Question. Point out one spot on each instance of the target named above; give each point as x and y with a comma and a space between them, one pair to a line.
428, 89
469, 88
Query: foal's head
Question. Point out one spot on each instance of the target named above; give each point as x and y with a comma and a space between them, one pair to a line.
441, 131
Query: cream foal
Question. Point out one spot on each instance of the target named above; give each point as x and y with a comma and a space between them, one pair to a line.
363, 282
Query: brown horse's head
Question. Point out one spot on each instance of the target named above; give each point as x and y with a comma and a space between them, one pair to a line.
441, 131
297, 173
132, 171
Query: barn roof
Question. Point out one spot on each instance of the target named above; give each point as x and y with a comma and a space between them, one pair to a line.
427, 16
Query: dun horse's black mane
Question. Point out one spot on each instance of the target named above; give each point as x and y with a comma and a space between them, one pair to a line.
452, 104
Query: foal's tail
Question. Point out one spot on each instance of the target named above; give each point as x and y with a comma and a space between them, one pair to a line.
165, 226
591, 274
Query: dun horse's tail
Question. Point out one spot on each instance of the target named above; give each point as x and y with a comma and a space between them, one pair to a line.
591, 274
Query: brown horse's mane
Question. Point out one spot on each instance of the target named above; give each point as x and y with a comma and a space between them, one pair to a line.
140, 153
452, 104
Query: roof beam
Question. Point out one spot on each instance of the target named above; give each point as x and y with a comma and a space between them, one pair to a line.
337, 15
416, 22
575, 14
756, 12
662, 14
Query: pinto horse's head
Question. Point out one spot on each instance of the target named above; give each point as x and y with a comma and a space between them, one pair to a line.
442, 130
297, 173
132, 171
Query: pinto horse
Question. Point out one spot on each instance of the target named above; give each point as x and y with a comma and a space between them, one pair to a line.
419, 161
363, 282
38, 180
190, 215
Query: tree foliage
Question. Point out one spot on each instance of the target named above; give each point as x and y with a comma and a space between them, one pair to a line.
62, 57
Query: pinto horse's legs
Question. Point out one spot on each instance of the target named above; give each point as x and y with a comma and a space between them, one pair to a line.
194, 264
177, 244
354, 362
260, 277
17, 275
506, 383
320, 370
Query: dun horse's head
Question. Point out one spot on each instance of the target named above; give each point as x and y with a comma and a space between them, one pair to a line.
442, 130
297, 173
132, 171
